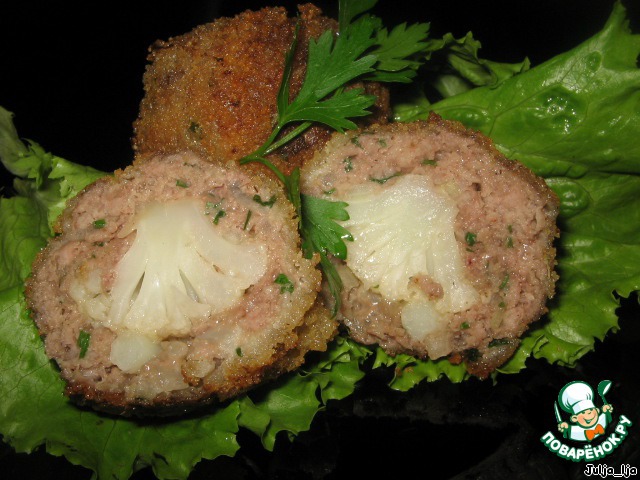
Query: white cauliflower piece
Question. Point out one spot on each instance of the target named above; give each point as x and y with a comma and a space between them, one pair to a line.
179, 268
402, 229
130, 351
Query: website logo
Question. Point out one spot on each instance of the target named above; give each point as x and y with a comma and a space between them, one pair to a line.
590, 426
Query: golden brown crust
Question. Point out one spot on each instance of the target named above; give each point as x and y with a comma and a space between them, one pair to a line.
213, 90
312, 335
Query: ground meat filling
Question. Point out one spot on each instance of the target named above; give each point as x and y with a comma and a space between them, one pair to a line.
177, 281
453, 243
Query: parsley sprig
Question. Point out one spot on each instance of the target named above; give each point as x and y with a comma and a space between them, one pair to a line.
322, 235
396, 52
363, 50
332, 63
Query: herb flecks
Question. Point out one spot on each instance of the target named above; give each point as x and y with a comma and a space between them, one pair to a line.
384, 180
509, 241
286, 285
470, 238
219, 215
348, 164
195, 129
216, 207
505, 282
496, 342
428, 161
84, 338
265, 203
472, 354
246, 220
181, 183
211, 206
100, 223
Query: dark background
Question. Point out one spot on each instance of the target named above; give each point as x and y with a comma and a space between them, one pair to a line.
73, 78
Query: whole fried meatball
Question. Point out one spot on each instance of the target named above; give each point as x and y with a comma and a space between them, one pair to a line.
213, 90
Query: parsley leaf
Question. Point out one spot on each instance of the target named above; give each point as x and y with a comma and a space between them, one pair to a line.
84, 338
286, 285
319, 227
323, 235
395, 52
362, 50
384, 180
332, 63
265, 203
334, 282
350, 9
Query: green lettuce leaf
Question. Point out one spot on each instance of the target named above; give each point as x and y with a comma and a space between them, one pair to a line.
574, 114
458, 58
35, 412
409, 371
452, 66
43, 184
47, 180
23, 232
574, 120
599, 253
294, 401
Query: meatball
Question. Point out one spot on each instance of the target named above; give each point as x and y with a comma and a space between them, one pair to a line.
213, 90
452, 253
176, 282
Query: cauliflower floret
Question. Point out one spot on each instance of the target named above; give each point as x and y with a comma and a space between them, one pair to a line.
130, 351
403, 229
179, 268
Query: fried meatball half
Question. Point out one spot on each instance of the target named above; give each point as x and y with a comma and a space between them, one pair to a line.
213, 90
174, 283
452, 252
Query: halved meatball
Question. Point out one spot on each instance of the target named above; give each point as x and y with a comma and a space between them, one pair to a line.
452, 252
173, 283
213, 90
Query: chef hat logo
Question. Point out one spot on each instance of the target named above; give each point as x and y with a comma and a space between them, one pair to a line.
576, 397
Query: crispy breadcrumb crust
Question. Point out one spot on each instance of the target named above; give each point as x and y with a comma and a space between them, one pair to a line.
213, 90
